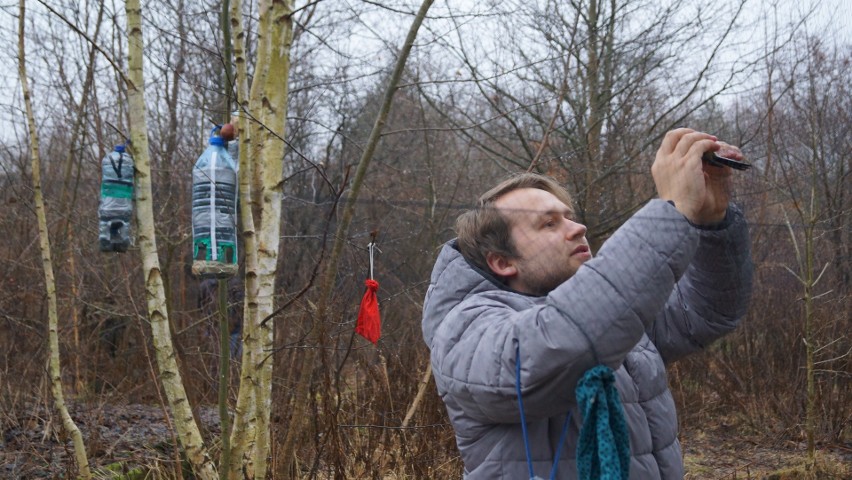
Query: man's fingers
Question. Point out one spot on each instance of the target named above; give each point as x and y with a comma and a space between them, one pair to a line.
686, 145
696, 144
672, 138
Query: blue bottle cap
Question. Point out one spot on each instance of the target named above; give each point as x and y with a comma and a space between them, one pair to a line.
215, 139
119, 148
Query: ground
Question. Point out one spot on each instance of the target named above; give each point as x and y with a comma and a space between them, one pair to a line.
721, 452
131, 435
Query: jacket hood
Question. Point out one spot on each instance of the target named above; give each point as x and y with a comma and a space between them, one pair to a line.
453, 279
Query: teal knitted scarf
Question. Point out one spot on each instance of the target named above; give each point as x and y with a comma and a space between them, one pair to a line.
603, 449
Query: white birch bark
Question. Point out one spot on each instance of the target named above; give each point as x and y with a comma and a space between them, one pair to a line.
243, 433
188, 432
53, 364
274, 102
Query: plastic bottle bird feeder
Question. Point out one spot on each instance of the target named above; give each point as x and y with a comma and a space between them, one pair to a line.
116, 202
214, 211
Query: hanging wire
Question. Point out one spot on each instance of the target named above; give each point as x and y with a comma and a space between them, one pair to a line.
371, 246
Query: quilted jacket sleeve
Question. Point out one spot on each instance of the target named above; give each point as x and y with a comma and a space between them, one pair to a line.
596, 317
712, 296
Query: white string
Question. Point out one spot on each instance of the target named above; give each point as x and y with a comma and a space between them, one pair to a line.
370, 247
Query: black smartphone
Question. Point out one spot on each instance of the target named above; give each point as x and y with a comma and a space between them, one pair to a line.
713, 159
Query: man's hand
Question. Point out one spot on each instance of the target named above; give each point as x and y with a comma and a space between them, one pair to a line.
699, 191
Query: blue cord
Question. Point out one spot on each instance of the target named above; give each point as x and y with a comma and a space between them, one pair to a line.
521, 408
562, 436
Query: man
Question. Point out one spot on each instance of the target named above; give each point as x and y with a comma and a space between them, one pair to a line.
521, 278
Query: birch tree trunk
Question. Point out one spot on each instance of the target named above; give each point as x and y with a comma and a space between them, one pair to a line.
53, 365
188, 432
274, 103
245, 412
260, 197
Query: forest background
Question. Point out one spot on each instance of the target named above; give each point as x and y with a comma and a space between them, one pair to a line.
580, 90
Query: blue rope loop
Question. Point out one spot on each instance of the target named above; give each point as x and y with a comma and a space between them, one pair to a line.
562, 435
603, 449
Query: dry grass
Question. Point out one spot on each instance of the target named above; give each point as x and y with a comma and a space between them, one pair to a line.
723, 451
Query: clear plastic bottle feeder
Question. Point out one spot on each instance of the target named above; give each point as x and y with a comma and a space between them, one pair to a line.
214, 212
116, 202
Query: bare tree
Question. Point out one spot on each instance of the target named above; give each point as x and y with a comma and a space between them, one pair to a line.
243, 432
583, 91
170, 375
261, 190
53, 363
814, 171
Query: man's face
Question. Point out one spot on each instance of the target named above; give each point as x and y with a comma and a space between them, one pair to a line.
550, 246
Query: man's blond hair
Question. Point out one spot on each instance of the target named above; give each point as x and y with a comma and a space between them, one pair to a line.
484, 229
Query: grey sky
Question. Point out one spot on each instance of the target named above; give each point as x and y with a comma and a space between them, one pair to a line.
833, 17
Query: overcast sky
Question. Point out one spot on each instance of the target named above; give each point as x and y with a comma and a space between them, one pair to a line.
832, 16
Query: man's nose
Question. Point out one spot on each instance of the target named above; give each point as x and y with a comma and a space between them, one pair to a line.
574, 230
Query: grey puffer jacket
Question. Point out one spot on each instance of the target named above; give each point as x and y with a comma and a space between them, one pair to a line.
658, 289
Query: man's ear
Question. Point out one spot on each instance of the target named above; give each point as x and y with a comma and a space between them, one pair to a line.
500, 265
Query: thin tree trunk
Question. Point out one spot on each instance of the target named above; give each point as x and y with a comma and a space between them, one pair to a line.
227, 53
188, 431
53, 364
810, 340
805, 276
599, 84
245, 412
70, 204
300, 401
275, 93
224, 330
224, 379
418, 399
